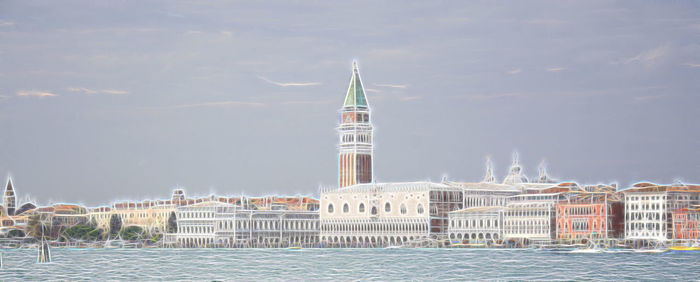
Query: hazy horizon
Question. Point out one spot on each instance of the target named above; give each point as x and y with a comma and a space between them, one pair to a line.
101, 101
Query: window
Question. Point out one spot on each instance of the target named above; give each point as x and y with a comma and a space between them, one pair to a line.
387, 207
330, 208
362, 207
346, 208
420, 209
403, 209
374, 210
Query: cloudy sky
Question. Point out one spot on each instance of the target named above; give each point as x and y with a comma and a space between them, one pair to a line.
106, 100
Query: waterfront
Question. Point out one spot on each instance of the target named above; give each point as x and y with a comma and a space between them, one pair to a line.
344, 264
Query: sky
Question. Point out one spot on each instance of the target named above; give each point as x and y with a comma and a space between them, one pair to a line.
114, 100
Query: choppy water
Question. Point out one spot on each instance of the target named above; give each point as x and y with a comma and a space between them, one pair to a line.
344, 264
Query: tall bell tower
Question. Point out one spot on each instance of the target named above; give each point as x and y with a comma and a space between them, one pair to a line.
355, 135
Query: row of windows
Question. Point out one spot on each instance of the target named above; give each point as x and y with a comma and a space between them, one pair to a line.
270, 225
645, 198
489, 223
189, 214
370, 228
387, 208
362, 138
527, 213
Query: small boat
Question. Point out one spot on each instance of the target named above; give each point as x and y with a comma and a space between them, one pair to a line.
44, 252
587, 251
685, 248
651, 251
294, 248
394, 247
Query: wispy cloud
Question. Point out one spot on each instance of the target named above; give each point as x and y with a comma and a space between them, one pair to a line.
648, 98
555, 69
311, 102
545, 21
492, 96
409, 98
208, 104
401, 86
226, 33
514, 71
35, 93
6, 23
692, 65
649, 56
286, 84
372, 90
98, 91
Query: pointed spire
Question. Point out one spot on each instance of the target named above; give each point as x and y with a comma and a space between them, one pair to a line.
490, 177
543, 177
356, 93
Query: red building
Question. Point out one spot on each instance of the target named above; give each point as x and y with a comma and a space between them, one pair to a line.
597, 215
686, 224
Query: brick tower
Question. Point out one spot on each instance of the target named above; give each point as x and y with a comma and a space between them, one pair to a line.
355, 134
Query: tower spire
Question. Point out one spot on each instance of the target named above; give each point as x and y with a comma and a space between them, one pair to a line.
489, 178
355, 96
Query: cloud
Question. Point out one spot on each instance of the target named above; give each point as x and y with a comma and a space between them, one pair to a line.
372, 90
34, 93
555, 69
649, 56
286, 84
545, 21
401, 86
514, 71
409, 98
648, 98
226, 33
484, 97
98, 91
6, 23
312, 102
692, 65
209, 104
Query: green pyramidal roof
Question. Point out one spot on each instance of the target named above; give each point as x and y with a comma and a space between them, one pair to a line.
356, 93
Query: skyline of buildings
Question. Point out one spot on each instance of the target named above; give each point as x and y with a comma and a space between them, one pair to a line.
359, 212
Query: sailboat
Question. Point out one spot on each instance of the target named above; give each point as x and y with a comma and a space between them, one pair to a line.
44, 252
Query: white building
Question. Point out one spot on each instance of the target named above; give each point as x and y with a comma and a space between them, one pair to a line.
477, 224
214, 224
649, 208
530, 217
370, 215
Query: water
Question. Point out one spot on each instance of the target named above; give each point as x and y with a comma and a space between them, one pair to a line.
344, 264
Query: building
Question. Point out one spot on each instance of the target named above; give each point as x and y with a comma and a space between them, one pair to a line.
355, 135
476, 225
649, 210
224, 225
530, 218
384, 214
686, 224
9, 201
590, 216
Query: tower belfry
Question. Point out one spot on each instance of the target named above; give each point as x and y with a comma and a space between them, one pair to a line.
355, 135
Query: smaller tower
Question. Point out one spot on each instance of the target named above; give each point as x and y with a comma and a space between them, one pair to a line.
8, 199
490, 177
543, 177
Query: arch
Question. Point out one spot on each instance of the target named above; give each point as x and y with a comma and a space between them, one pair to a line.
387, 207
346, 208
404, 210
420, 209
374, 210
361, 208
330, 208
